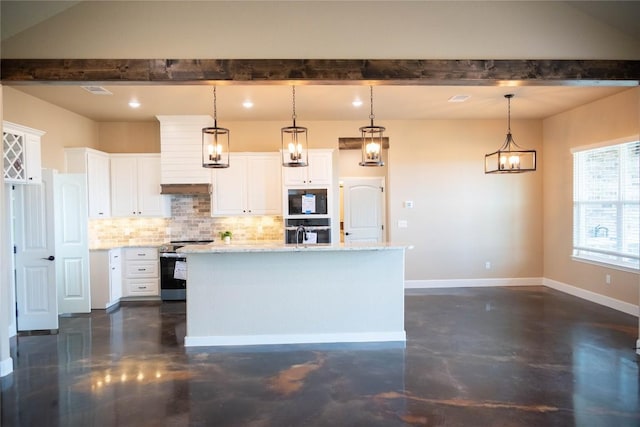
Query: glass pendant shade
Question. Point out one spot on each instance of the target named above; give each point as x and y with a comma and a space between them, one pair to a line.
295, 144
372, 145
510, 158
372, 137
215, 143
215, 147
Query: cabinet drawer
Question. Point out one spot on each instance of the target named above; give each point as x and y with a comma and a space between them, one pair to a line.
141, 269
115, 258
142, 287
141, 254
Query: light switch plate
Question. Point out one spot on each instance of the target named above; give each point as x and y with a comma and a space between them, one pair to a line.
402, 223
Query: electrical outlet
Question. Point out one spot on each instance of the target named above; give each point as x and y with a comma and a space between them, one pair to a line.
607, 279
408, 204
487, 265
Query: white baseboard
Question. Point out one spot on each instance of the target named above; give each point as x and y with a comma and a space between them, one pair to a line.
613, 303
472, 283
606, 301
241, 340
6, 367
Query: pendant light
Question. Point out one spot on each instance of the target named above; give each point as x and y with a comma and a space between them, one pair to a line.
371, 140
215, 142
510, 158
294, 142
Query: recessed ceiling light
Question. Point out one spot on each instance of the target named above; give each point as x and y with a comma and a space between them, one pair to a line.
357, 103
247, 104
459, 98
134, 104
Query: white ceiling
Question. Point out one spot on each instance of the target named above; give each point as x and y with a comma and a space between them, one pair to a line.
318, 102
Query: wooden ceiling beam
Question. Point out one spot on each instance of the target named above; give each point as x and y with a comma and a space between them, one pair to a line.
320, 71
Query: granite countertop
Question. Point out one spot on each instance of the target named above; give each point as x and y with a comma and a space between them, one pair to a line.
220, 247
123, 246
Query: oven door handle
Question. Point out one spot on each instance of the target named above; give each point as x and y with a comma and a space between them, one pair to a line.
311, 228
172, 255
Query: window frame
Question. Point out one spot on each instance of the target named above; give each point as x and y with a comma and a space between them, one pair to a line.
592, 255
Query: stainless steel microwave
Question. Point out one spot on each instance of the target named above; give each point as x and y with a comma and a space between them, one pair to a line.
311, 201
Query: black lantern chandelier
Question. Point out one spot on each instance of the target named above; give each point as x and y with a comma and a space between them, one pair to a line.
510, 158
371, 140
215, 142
294, 142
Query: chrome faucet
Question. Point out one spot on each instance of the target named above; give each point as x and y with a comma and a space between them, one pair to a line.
304, 234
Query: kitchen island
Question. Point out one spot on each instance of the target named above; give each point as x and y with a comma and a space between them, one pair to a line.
273, 293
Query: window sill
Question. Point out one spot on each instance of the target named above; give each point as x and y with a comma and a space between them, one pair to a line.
606, 264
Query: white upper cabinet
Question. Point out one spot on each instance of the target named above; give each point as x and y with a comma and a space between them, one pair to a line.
251, 185
181, 149
135, 186
95, 164
98, 184
318, 172
22, 161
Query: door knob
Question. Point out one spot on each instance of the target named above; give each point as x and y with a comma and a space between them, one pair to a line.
50, 258
347, 233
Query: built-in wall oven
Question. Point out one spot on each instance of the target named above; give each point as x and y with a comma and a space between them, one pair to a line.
173, 270
316, 230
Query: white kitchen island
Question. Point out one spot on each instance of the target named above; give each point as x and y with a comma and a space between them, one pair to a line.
263, 294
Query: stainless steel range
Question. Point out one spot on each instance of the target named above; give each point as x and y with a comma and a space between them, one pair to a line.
173, 270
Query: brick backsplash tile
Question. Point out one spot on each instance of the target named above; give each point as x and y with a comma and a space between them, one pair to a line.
190, 220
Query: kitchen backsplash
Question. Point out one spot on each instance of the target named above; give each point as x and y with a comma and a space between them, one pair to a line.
190, 220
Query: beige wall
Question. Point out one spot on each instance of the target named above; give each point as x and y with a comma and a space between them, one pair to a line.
322, 29
124, 137
607, 119
63, 128
463, 218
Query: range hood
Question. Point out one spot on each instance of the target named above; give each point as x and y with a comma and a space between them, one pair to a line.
185, 189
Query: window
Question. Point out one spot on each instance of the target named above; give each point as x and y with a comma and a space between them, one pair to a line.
606, 200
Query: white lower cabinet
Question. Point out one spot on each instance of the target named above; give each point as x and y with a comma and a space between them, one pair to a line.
105, 278
140, 272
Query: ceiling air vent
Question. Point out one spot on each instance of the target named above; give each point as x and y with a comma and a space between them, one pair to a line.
96, 90
459, 98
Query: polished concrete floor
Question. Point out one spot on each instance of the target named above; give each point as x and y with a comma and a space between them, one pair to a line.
474, 357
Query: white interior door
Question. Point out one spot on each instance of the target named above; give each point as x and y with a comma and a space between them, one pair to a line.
9, 225
36, 298
71, 243
363, 204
